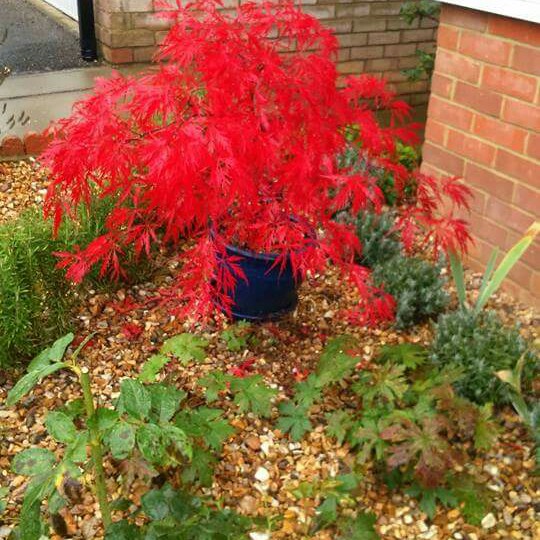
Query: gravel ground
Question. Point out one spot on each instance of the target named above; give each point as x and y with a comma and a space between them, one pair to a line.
290, 346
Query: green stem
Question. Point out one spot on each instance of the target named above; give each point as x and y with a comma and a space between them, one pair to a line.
96, 449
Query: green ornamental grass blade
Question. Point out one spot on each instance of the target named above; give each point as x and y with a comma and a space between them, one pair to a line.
489, 271
456, 266
508, 262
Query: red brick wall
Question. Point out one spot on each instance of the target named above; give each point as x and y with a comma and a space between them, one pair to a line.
372, 35
484, 125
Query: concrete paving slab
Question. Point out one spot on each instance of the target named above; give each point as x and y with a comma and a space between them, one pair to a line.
40, 98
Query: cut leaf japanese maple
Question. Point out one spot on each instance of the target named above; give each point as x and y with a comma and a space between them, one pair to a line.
234, 140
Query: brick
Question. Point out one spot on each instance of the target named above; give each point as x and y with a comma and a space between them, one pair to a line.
489, 181
485, 48
406, 49
450, 113
509, 82
478, 99
478, 199
531, 257
500, 133
419, 99
321, 12
521, 114
395, 76
366, 52
132, 38
526, 59
470, 147
429, 23
508, 215
35, 143
381, 64
464, 18
343, 55
352, 40
130, 6
441, 85
425, 34
397, 23
150, 21
11, 146
517, 30
488, 230
160, 37
442, 159
412, 87
533, 146
463, 68
435, 132
479, 254
406, 62
383, 38
143, 54
520, 273
517, 167
385, 8
528, 199
117, 56
340, 27
113, 20
369, 24
352, 11
353, 67
447, 37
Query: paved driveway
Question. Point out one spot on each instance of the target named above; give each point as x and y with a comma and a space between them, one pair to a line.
39, 37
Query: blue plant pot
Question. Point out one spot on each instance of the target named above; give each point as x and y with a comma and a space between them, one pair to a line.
269, 293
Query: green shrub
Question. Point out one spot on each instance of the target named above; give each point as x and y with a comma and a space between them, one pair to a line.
35, 297
379, 241
416, 285
480, 345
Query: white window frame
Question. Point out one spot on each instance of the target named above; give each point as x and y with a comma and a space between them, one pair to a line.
527, 10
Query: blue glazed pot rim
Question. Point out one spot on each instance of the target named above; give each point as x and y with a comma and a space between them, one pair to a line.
270, 257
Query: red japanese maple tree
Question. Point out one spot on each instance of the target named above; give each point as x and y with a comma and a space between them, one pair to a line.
234, 139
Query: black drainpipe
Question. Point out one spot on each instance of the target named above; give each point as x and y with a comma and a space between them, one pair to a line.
87, 31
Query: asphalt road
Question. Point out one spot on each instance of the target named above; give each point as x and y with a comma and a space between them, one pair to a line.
35, 41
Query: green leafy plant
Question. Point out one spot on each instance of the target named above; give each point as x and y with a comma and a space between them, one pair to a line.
386, 179
409, 419
527, 411
380, 241
477, 340
35, 298
411, 11
183, 347
250, 393
237, 336
416, 285
493, 277
335, 363
332, 493
177, 514
479, 344
148, 422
